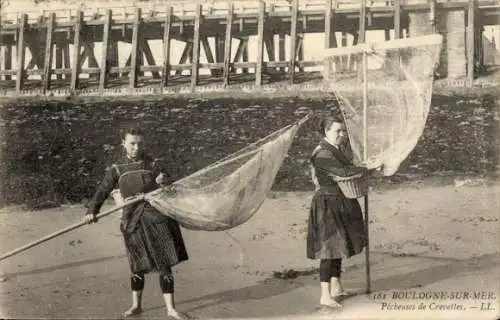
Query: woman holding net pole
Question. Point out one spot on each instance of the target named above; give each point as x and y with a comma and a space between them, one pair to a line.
336, 229
153, 241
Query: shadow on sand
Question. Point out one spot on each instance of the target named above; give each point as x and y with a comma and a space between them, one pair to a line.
274, 287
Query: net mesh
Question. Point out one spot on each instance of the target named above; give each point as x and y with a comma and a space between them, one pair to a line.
384, 92
228, 192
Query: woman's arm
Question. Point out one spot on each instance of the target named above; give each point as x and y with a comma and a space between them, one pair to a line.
326, 161
103, 190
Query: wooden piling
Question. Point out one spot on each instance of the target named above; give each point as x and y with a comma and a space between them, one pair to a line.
244, 55
397, 19
135, 50
362, 22
269, 46
344, 58
21, 53
260, 44
49, 45
293, 41
166, 46
227, 45
330, 38
59, 59
432, 14
8, 60
300, 51
75, 71
470, 42
66, 60
105, 49
281, 48
219, 53
195, 65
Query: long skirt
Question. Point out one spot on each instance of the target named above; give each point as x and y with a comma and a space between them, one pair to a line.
336, 227
154, 246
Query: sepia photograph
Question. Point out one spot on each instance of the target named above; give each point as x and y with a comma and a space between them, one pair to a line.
250, 159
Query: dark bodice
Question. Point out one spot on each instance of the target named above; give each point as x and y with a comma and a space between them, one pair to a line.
328, 161
131, 177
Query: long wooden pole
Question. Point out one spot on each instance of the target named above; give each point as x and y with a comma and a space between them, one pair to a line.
365, 148
70, 228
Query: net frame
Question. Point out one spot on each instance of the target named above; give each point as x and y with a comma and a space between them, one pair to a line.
365, 49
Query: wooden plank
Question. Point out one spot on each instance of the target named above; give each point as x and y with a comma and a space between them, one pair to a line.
470, 42
212, 66
91, 71
62, 71
135, 49
166, 47
8, 73
228, 45
397, 19
49, 45
103, 79
293, 41
260, 44
196, 49
245, 65
21, 53
75, 72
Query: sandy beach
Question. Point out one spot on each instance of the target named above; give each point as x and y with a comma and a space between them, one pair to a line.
433, 246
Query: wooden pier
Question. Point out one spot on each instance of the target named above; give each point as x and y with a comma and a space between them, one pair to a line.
54, 67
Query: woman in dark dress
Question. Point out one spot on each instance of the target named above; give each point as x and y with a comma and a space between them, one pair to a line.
153, 241
336, 228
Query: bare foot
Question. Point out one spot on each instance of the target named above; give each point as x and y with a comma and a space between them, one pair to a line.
329, 302
177, 316
339, 293
132, 311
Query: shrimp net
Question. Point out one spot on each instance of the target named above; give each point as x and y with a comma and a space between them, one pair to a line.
230, 191
384, 92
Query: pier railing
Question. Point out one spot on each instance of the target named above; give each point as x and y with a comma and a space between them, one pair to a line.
48, 35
